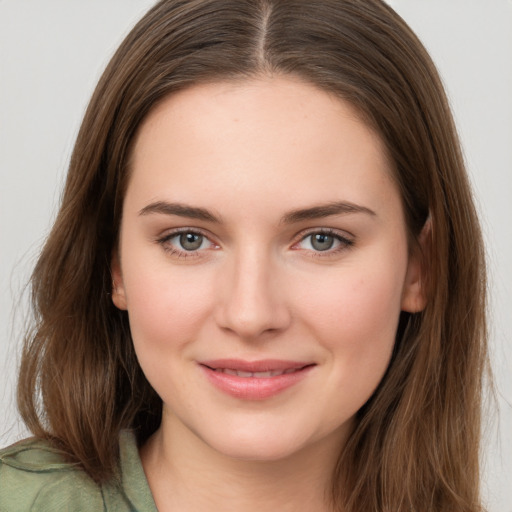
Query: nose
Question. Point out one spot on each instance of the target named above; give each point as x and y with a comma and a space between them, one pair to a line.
251, 300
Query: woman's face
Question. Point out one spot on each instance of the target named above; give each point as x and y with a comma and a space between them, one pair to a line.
263, 262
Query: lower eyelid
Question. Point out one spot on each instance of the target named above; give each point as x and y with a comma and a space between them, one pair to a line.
343, 240
163, 240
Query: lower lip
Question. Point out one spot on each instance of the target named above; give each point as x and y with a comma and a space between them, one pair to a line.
253, 388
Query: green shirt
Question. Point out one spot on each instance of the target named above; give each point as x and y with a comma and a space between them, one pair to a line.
34, 477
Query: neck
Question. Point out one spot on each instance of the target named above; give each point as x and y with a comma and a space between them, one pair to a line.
184, 473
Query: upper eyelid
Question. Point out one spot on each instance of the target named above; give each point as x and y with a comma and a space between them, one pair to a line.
339, 233
164, 242
166, 237
345, 242
171, 233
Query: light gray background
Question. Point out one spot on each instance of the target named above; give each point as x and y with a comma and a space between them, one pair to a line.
51, 55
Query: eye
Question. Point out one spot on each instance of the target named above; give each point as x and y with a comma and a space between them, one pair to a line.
185, 243
326, 241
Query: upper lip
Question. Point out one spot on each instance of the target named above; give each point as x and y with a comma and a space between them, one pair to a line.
263, 365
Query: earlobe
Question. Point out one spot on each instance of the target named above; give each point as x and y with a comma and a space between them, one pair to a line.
118, 292
414, 296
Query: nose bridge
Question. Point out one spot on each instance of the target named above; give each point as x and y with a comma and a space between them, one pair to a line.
252, 302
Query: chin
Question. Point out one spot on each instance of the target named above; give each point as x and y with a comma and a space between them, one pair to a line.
258, 450
264, 443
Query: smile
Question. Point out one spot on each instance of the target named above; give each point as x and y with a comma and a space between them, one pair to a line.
257, 380
258, 375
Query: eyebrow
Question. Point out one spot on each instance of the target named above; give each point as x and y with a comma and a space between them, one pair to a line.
325, 210
181, 210
314, 212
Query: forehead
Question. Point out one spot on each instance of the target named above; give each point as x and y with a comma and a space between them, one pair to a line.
269, 140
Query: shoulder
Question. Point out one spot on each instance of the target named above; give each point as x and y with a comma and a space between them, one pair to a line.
35, 476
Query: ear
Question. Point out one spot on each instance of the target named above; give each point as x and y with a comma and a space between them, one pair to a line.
118, 292
414, 295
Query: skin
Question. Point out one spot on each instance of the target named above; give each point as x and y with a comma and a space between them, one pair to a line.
257, 288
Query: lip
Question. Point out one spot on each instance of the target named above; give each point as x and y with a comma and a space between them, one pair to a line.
254, 387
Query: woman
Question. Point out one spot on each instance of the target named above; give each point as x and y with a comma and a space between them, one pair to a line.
258, 291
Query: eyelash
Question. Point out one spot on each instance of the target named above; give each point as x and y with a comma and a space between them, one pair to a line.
173, 251
344, 242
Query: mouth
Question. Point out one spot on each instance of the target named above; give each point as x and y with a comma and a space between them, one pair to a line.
254, 380
257, 375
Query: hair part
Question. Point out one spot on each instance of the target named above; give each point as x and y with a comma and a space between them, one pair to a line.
416, 442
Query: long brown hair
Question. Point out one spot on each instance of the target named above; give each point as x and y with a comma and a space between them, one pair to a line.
416, 442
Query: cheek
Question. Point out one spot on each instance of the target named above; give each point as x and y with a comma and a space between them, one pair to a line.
354, 315
165, 307
355, 322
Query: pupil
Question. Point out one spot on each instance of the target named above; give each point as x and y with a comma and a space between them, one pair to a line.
322, 242
191, 241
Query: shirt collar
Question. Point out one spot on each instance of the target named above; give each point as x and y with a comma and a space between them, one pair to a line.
133, 479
